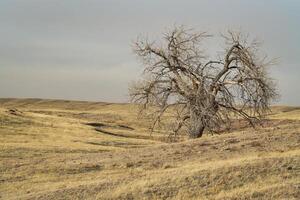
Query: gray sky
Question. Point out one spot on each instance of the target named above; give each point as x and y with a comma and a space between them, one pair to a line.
81, 49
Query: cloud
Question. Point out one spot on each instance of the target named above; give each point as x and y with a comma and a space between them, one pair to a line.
49, 48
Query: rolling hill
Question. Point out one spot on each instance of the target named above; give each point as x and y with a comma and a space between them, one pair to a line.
57, 149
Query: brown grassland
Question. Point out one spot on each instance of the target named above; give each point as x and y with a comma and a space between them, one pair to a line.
54, 149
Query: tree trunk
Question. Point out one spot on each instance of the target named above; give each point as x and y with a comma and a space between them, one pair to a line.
196, 125
197, 131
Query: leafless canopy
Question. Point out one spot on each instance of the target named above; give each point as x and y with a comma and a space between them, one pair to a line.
205, 93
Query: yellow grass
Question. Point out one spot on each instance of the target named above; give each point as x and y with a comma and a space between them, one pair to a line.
48, 151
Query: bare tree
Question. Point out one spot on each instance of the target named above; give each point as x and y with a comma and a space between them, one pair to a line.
205, 93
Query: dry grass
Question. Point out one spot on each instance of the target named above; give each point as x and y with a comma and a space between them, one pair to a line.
82, 150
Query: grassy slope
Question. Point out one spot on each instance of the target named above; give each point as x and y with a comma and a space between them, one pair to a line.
48, 151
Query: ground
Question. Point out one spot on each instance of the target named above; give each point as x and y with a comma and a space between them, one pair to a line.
51, 149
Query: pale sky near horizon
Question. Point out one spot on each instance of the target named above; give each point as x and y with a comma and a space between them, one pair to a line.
81, 49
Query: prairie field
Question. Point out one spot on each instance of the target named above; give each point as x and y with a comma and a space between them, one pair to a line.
57, 149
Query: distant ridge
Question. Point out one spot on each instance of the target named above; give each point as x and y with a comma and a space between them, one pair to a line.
52, 103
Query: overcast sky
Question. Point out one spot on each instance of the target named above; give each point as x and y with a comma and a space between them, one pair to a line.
81, 49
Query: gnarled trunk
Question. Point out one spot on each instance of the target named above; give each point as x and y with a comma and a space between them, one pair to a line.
197, 131
196, 124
